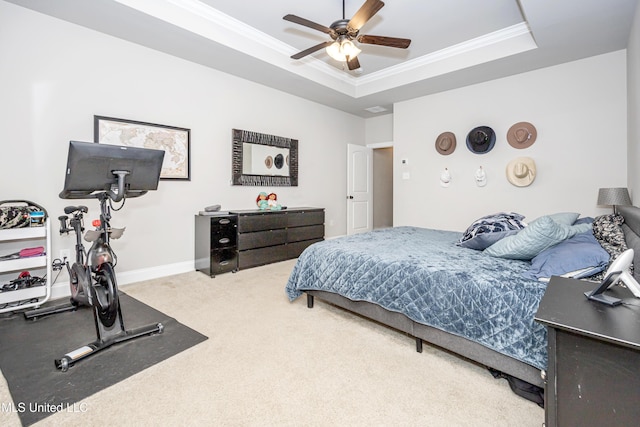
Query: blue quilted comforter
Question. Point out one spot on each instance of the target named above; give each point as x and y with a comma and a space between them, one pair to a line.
423, 274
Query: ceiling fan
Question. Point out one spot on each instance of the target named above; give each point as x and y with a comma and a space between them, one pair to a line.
344, 32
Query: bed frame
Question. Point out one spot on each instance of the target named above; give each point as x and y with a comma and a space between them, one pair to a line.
454, 343
457, 344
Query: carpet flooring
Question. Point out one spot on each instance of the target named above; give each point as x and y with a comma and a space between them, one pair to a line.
28, 349
272, 362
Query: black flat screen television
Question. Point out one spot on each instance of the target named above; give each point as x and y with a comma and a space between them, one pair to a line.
91, 166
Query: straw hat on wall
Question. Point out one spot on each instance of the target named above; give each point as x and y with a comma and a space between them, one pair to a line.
521, 171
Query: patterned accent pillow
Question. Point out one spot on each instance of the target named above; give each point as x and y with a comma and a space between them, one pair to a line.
607, 229
487, 230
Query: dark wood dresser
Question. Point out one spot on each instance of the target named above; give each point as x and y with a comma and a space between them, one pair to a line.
271, 236
241, 239
593, 374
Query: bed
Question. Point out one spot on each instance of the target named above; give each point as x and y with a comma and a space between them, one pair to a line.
424, 283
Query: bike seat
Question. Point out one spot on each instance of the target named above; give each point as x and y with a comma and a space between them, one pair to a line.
72, 209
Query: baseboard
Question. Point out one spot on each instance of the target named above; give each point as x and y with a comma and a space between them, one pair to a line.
61, 289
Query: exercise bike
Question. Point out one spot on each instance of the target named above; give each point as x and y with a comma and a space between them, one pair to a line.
92, 280
107, 173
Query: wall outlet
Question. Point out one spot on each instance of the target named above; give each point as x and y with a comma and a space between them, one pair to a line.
65, 255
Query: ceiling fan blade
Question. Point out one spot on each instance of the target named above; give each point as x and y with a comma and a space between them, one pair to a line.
311, 50
384, 41
297, 20
353, 63
366, 12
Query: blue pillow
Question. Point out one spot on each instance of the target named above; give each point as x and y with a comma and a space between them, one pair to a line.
584, 220
567, 218
539, 235
579, 256
487, 230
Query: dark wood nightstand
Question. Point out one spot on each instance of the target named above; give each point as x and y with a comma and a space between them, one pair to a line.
593, 374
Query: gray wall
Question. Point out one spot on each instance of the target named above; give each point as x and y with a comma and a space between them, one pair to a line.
580, 112
56, 76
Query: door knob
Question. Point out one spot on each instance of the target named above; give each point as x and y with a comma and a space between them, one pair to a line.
349, 197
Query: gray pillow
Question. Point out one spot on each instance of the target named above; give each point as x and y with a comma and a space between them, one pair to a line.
539, 235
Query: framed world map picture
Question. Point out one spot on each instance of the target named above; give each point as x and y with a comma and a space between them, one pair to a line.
173, 140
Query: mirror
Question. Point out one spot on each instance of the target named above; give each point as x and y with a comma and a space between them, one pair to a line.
259, 159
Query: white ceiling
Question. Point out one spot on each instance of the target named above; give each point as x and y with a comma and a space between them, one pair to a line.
454, 42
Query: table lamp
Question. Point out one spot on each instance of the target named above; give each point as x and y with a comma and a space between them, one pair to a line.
614, 197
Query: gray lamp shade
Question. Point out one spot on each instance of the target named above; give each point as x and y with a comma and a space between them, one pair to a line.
614, 197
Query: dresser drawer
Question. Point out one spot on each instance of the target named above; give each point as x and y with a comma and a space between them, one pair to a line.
223, 238
260, 239
302, 218
297, 234
259, 222
224, 223
295, 249
223, 260
262, 256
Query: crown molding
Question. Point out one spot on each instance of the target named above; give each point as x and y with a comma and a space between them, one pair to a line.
201, 19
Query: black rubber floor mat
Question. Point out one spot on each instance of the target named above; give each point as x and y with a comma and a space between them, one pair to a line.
28, 349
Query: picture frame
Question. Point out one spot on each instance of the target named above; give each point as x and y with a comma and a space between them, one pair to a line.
175, 141
263, 160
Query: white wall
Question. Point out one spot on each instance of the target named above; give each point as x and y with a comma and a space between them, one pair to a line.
56, 76
379, 129
633, 113
579, 110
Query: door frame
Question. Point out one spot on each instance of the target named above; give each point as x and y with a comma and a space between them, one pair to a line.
371, 147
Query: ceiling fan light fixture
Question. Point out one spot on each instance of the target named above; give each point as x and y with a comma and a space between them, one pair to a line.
334, 51
343, 48
347, 48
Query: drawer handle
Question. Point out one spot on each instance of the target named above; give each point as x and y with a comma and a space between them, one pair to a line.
224, 240
224, 262
224, 221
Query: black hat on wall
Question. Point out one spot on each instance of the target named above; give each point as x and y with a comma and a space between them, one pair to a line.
481, 140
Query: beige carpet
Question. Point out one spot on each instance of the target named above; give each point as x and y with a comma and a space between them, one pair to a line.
269, 362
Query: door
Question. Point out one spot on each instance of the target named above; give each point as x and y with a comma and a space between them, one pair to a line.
359, 192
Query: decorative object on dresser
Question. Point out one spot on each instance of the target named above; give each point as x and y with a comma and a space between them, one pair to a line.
259, 159
593, 357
